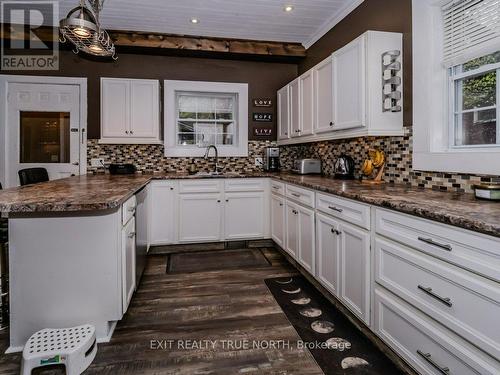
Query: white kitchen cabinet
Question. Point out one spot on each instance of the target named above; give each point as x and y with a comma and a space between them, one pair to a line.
292, 229
163, 212
306, 255
355, 270
306, 103
349, 85
283, 113
130, 111
328, 252
294, 93
200, 217
323, 95
278, 220
128, 262
244, 215
347, 93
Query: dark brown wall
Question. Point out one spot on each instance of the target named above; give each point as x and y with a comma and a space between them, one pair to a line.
263, 78
380, 15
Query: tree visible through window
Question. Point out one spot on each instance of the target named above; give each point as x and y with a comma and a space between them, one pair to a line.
476, 102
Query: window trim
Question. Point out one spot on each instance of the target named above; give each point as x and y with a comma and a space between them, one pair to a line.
171, 87
431, 101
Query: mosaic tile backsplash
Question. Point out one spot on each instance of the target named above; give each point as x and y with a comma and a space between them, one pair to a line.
399, 168
151, 158
398, 150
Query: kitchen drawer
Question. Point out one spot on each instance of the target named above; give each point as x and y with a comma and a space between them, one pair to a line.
128, 209
463, 302
473, 251
245, 184
345, 209
277, 187
428, 347
298, 194
205, 185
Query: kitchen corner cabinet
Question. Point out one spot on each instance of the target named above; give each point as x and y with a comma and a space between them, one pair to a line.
342, 96
130, 111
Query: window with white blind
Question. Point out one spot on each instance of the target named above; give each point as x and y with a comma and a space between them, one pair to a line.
200, 114
456, 49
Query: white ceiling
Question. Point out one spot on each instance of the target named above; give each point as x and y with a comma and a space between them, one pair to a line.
241, 19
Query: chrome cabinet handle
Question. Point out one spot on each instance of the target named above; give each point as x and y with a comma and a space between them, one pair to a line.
276, 187
131, 209
131, 235
430, 241
428, 290
296, 195
335, 209
76, 163
428, 358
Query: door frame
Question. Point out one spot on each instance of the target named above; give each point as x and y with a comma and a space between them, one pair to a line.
5, 80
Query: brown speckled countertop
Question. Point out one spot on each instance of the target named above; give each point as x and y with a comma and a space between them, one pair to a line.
105, 192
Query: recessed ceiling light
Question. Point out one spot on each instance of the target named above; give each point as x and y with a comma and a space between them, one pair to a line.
195, 20
288, 8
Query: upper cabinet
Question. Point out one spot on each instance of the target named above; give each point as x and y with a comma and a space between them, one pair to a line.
355, 92
130, 111
283, 113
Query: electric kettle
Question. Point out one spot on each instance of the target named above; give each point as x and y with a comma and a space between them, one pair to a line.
344, 167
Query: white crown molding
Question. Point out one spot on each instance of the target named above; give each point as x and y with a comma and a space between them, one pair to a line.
328, 25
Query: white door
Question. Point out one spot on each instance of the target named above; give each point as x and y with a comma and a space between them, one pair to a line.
306, 239
128, 263
323, 94
306, 86
200, 217
115, 107
283, 114
328, 252
244, 215
163, 212
349, 83
43, 130
278, 220
355, 270
144, 108
292, 229
294, 101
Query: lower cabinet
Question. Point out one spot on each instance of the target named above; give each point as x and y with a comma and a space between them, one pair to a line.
300, 235
128, 262
344, 263
244, 215
200, 217
163, 212
278, 220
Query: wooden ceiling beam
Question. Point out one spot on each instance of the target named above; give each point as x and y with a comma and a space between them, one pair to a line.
152, 42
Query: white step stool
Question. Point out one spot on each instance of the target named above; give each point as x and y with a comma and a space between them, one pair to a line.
73, 347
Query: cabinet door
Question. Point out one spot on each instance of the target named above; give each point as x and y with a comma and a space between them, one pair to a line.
128, 263
349, 85
306, 239
323, 96
144, 109
292, 229
200, 217
115, 107
328, 253
278, 220
244, 215
283, 114
294, 101
163, 212
355, 270
306, 100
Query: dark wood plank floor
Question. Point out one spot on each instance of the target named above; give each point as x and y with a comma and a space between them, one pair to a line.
216, 305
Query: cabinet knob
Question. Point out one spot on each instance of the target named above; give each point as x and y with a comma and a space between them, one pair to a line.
126, 131
227, 200
131, 132
171, 188
218, 200
331, 123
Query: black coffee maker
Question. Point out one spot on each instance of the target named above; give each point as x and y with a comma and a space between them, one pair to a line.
344, 167
272, 159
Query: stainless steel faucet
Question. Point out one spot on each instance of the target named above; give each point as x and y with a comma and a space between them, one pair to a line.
207, 152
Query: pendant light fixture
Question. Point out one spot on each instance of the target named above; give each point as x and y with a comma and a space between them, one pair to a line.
81, 27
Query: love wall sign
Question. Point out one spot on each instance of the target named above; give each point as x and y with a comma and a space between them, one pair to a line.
263, 102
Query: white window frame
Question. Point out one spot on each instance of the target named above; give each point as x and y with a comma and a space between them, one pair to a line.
431, 102
171, 87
